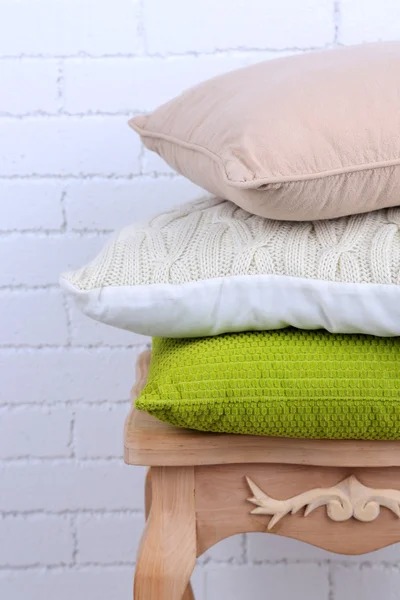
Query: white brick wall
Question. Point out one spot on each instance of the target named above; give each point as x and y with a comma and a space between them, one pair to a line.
36, 540
71, 171
178, 27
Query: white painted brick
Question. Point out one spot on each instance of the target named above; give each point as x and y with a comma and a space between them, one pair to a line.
269, 547
99, 431
390, 554
115, 204
280, 582
142, 84
366, 583
66, 486
207, 26
108, 539
87, 332
35, 432
58, 376
251, 58
40, 259
20, 92
153, 163
60, 27
94, 583
197, 581
34, 317
230, 550
368, 21
139, 84
264, 547
31, 205
37, 540
68, 146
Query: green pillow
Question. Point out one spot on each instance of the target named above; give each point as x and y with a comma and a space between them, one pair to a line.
286, 383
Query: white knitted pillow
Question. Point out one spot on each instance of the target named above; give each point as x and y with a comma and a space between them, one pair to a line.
210, 267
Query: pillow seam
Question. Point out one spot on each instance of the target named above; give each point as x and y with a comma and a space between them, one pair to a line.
269, 181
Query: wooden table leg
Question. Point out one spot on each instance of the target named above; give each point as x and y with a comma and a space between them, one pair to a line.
188, 595
147, 494
167, 553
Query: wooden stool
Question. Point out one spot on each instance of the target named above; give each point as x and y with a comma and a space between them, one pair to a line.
203, 487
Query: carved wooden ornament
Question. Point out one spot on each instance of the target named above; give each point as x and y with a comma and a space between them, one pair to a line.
348, 499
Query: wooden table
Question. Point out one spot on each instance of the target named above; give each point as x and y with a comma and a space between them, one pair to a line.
203, 487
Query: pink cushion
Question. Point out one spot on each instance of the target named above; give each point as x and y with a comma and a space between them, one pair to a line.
312, 136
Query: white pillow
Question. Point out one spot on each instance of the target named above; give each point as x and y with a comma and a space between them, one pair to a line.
210, 267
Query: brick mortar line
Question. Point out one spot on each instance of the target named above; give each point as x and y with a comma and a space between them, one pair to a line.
63, 567
229, 562
40, 114
60, 86
80, 462
40, 517
72, 438
331, 586
141, 158
64, 224
23, 286
95, 512
56, 459
8, 406
141, 28
14, 349
88, 565
245, 548
61, 233
75, 543
89, 176
69, 320
71, 404
216, 52
55, 232
337, 17
52, 291
393, 566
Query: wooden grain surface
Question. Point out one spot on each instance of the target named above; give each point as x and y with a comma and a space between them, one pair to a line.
222, 508
167, 552
188, 594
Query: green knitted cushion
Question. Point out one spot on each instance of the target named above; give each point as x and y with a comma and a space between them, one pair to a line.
285, 383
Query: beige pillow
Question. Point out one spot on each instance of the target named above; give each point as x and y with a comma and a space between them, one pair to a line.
312, 136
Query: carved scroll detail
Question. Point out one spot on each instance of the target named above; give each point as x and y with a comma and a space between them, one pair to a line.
348, 499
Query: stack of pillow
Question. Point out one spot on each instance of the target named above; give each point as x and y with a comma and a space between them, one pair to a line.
275, 304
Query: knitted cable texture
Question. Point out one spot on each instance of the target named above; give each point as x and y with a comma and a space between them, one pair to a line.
285, 383
214, 238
